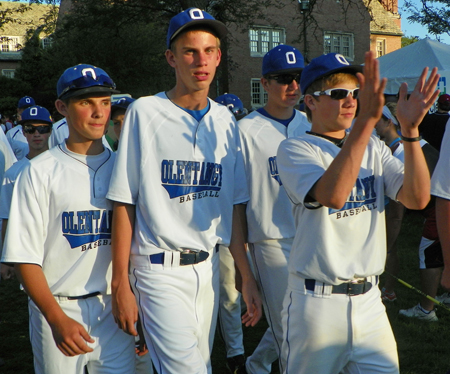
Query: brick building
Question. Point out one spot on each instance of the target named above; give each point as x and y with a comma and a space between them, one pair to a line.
12, 34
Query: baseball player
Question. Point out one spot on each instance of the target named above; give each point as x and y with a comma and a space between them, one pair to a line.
333, 317
178, 191
440, 187
59, 237
230, 299
118, 108
15, 136
269, 215
37, 125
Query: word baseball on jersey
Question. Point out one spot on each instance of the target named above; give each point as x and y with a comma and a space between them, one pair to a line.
362, 198
87, 229
191, 180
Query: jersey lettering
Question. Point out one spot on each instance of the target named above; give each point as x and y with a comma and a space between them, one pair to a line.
86, 226
362, 198
181, 177
273, 168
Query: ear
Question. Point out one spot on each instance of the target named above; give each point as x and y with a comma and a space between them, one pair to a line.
265, 83
310, 102
170, 57
61, 107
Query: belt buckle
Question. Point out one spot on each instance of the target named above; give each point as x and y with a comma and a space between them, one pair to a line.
354, 285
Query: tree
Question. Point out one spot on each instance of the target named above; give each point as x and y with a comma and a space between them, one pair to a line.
127, 38
407, 40
434, 14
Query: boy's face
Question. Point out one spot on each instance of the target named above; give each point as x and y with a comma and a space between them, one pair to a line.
37, 134
87, 116
282, 95
117, 119
195, 56
331, 117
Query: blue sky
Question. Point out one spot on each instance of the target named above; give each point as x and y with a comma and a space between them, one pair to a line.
416, 29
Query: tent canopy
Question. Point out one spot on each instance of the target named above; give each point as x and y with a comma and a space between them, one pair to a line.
406, 64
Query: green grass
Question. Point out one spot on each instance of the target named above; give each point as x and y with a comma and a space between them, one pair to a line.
424, 348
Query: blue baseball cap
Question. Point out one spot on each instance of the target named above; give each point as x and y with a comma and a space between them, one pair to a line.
283, 59
193, 17
233, 103
82, 79
36, 113
122, 102
25, 102
325, 65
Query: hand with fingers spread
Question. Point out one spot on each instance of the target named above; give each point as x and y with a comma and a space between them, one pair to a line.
371, 94
412, 109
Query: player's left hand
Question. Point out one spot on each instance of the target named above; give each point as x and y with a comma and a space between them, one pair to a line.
252, 299
410, 111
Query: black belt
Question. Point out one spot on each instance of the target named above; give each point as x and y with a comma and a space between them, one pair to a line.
348, 288
82, 297
186, 258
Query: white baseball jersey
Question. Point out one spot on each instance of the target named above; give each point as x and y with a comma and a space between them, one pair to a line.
61, 220
60, 132
184, 176
269, 210
18, 142
440, 181
9, 180
331, 245
8, 153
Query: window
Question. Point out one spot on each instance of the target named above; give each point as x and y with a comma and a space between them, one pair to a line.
381, 47
339, 43
259, 95
263, 39
10, 43
9, 73
46, 42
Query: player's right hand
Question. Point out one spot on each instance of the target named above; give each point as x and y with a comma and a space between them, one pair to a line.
71, 337
124, 308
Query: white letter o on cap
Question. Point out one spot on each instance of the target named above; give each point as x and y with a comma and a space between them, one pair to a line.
89, 70
33, 112
342, 59
27, 100
290, 58
196, 13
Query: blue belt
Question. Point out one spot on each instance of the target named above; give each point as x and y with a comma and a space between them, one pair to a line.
186, 258
348, 288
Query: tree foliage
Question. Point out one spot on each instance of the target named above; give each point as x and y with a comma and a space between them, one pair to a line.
434, 14
127, 38
407, 40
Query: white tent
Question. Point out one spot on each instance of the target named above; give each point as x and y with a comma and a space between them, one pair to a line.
406, 65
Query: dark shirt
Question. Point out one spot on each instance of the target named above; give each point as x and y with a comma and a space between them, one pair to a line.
432, 128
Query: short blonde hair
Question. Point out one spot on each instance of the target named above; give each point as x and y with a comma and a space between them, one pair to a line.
328, 81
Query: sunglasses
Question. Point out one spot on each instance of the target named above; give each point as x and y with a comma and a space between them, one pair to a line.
43, 129
88, 81
338, 93
285, 78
